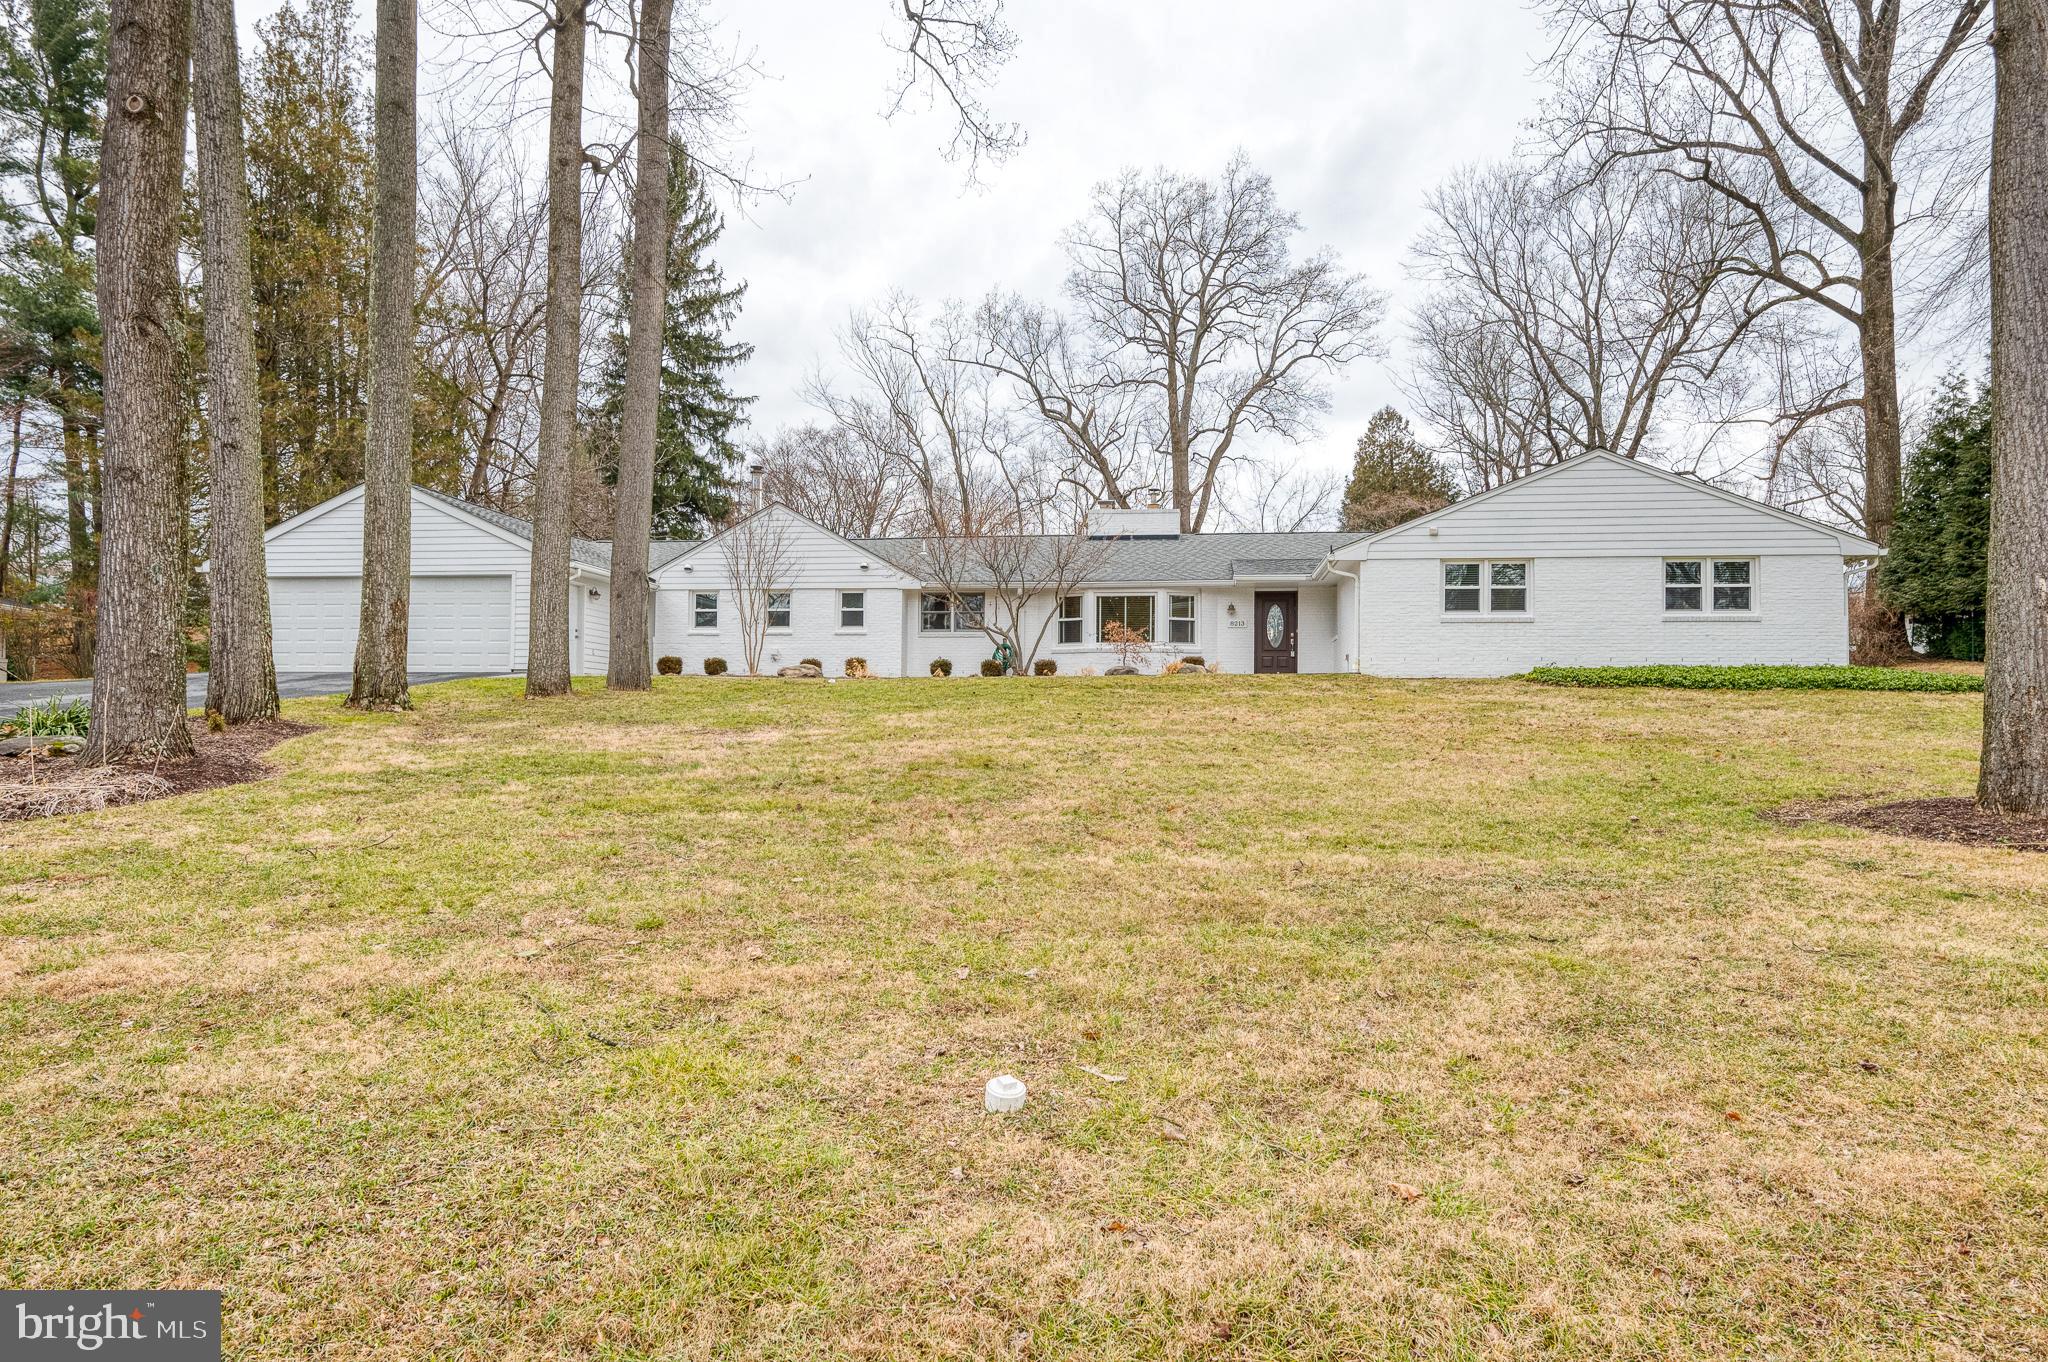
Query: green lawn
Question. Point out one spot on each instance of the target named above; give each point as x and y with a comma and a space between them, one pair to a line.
1456, 1020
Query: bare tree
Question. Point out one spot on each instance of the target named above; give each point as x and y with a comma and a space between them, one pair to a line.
651, 228
483, 307
1191, 302
951, 51
1566, 315
547, 630
241, 682
138, 685
2014, 777
1271, 496
825, 475
758, 556
1017, 578
385, 629
1832, 128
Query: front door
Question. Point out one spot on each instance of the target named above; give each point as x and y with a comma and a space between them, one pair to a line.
1274, 643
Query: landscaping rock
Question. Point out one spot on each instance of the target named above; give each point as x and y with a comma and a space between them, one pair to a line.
801, 671
44, 744
1121, 671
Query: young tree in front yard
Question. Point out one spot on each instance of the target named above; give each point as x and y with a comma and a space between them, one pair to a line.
758, 556
138, 686
2014, 773
1015, 572
241, 682
1394, 477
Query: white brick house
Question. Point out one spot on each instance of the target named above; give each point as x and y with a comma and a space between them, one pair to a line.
1600, 560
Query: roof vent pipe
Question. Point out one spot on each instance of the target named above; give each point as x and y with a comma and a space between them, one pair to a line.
757, 485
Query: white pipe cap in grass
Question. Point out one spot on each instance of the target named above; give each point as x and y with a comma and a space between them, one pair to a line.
1005, 1092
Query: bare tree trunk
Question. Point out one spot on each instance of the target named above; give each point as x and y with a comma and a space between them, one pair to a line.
547, 630
138, 688
2014, 776
241, 682
7, 530
642, 398
380, 681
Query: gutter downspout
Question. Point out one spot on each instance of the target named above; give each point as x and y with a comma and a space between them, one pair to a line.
1357, 614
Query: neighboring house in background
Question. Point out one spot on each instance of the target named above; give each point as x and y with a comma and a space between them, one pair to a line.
1600, 560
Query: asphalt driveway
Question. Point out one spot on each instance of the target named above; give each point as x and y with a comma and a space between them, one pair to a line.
16, 695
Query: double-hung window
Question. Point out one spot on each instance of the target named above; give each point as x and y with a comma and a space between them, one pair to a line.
778, 610
1070, 619
1486, 588
1180, 619
853, 610
1133, 612
704, 610
939, 613
1700, 586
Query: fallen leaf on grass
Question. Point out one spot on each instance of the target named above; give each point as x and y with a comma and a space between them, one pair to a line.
1107, 1078
1731, 1115
962, 972
1169, 1131
526, 948
755, 950
1406, 1191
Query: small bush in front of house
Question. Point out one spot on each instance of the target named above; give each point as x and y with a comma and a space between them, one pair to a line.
857, 667
1045, 666
714, 666
941, 667
669, 666
1762, 678
811, 662
991, 667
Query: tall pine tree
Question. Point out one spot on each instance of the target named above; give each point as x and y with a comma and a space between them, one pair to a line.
1941, 541
1394, 477
694, 449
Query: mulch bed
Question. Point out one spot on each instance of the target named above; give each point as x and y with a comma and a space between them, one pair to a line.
1934, 820
51, 786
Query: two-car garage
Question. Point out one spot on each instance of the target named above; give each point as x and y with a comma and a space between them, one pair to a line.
470, 568
458, 624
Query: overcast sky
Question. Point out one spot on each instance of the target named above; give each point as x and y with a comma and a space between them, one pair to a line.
1355, 110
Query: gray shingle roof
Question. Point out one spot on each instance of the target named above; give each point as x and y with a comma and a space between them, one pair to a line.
1190, 558
1223, 557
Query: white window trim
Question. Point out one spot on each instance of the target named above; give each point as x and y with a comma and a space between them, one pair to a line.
844, 627
1707, 610
1486, 610
710, 629
1193, 617
1098, 597
767, 608
1079, 619
952, 615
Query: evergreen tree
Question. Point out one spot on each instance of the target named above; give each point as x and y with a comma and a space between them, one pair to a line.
1393, 477
309, 224
1940, 543
53, 82
694, 449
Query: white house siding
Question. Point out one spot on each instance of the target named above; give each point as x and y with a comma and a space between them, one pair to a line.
821, 566
814, 630
329, 545
1602, 506
1598, 611
1220, 637
592, 601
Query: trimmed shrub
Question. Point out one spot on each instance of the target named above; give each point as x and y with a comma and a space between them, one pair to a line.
1762, 678
991, 667
1045, 666
669, 666
714, 666
810, 662
857, 667
941, 667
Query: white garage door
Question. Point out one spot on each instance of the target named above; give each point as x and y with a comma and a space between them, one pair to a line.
459, 624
